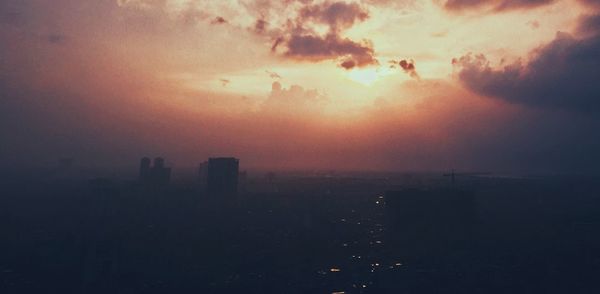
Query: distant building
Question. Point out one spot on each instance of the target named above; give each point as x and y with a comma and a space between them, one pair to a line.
203, 172
157, 174
242, 181
222, 178
145, 164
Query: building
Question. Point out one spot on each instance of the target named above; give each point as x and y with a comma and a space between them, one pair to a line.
145, 165
157, 174
203, 173
222, 177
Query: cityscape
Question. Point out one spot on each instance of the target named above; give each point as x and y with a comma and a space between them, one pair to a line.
218, 229
300, 146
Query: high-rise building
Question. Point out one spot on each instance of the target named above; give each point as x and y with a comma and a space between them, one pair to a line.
145, 169
203, 173
161, 175
157, 174
223, 175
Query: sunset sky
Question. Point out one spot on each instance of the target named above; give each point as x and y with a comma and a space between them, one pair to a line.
494, 85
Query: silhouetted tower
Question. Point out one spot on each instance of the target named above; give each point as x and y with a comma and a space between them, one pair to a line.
203, 172
157, 174
242, 181
145, 169
160, 174
159, 162
223, 175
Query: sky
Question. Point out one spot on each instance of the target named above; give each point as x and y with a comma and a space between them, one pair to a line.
475, 85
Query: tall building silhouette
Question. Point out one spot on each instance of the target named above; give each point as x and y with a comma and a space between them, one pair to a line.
223, 175
203, 172
145, 168
157, 174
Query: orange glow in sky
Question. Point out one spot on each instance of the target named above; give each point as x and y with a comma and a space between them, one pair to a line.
373, 84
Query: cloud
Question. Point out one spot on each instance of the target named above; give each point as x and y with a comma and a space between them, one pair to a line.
260, 26
408, 66
315, 48
591, 3
273, 75
534, 24
218, 20
295, 94
562, 75
300, 30
92, 100
295, 101
338, 15
276, 44
398, 5
301, 37
589, 24
496, 5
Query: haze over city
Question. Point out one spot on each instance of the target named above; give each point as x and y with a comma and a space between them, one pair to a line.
300, 146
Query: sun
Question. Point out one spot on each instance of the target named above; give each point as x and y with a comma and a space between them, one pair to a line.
367, 76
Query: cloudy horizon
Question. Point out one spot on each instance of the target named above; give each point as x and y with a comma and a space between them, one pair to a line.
494, 85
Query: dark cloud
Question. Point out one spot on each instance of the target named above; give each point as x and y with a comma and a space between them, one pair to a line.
497, 5
591, 3
302, 41
276, 44
218, 20
391, 3
338, 15
348, 64
315, 48
408, 66
589, 25
273, 75
562, 74
476, 133
260, 26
